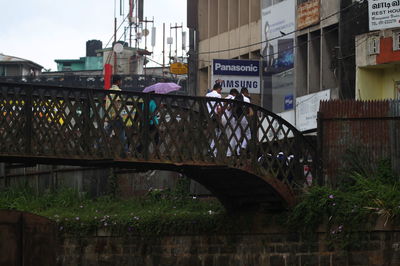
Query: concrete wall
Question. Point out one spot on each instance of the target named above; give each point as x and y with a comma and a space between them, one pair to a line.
353, 22
363, 58
244, 35
377, 74
239, 37
315, 52
377, 83
390, 77
369, 83
327, 9
93, 63
332, 39
125, 66
225, 25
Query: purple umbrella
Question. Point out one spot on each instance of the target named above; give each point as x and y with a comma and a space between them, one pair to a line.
162, 87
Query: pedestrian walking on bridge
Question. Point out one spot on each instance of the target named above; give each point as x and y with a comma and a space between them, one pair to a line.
214, 111
114, 124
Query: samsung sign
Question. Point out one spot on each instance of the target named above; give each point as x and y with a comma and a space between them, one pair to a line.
237, 74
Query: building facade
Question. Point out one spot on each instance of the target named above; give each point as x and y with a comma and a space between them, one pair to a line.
378, 58
91, 62
305, 48
317, 46
222, 29
325, 53
15, 66
378, 65
277, 30
81, 64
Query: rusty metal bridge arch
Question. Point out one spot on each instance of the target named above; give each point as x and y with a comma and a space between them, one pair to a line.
245, 158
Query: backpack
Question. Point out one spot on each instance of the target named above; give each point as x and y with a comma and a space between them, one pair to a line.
238, 107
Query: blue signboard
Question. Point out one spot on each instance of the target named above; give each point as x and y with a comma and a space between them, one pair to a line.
236, 67
288, 102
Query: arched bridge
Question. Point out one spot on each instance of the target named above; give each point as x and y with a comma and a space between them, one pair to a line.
244, 154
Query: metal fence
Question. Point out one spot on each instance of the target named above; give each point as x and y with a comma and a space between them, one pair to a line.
358, 132
129, 82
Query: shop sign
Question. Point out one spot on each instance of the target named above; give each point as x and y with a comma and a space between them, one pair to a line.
308, 14
178, 68
233, 73
307, 108
278, 54
288, 102
383, 14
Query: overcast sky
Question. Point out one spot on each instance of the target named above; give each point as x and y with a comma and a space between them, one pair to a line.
45, 30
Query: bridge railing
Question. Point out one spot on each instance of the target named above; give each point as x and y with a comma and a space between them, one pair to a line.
93, 81
70, 123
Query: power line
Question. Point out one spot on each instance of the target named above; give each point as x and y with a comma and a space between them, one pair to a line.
154, 61
148, 58
318, 37
116, 31
311, 39
110, 54
278, 37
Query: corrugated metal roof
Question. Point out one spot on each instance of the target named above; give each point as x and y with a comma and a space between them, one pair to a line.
14, 59
358, 132
9, 58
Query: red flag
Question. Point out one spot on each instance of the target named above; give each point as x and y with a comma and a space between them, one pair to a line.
107, 76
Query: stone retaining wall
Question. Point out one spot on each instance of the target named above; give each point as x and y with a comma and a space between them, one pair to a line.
267, 249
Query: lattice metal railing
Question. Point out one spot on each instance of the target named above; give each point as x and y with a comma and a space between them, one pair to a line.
44, 121
91, 80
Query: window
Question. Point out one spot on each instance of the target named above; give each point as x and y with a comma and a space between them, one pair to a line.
397, 90
396, 40
2, 71
373, 44
268, 3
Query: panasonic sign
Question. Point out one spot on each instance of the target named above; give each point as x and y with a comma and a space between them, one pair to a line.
236, 67
237, 74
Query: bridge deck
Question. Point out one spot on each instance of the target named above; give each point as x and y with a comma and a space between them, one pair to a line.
245, 160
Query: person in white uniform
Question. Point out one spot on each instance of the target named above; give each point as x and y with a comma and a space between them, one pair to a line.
242, 132
214, 110
229, 122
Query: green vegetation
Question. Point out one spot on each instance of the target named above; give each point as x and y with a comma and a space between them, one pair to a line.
362, 196
364, 193
160, 212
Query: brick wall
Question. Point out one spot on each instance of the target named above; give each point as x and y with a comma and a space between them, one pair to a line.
267, 249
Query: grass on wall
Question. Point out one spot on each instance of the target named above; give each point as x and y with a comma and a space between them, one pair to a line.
364, 194
160, 212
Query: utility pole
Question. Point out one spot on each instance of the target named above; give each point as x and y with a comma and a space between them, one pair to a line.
131, 7
169, 41
183, 33
115, 41
192, 61
146, 31
145, 34
136, 25
163, 50
176, 27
